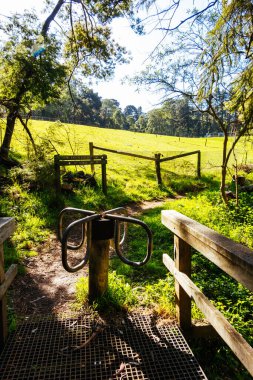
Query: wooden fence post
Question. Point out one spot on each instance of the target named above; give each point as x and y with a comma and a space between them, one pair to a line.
3, 303
158, 168
103, 168
57, 174
199, 164
183, 264
7, 227
92, 167
102, 232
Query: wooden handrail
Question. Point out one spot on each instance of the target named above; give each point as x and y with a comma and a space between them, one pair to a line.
233, 258
9, 277
7, 227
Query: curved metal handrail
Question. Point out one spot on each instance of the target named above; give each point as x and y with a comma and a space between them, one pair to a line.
60, 225
84, 221
119, 219
86, 225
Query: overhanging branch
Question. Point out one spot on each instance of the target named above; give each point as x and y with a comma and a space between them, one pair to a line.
51, 17
24, 123
194, 15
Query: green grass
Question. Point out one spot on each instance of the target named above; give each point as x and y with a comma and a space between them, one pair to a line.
134, 179
75, 139
119, 295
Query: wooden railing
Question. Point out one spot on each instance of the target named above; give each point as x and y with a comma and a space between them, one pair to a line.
234, 259
7, 227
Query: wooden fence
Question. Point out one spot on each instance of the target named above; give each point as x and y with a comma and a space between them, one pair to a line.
7, 227
234, 259
157, 159
80, 160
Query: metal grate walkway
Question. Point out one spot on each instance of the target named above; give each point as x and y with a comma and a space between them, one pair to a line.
137, 348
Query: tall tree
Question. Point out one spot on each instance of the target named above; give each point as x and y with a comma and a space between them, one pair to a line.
29, 54
84, 109
212, 65
228, 62
131, 110
180, 116
89, 104
119, 119
131, 114
141, 124
108, 108
19, 91
158, 121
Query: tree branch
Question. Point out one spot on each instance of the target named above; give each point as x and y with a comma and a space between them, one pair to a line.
51, 17
194, 15
24, 123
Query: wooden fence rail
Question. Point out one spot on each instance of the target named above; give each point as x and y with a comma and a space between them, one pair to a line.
80, 160
233, 258
157, 159
121, 152
184, 155
7, 227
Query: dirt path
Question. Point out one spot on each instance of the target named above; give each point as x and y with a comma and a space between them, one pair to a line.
46, 287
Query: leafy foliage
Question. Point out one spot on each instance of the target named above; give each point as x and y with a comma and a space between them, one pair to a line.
84, 44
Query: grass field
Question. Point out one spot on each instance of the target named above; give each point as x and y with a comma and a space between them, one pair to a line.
126, 171
134, 142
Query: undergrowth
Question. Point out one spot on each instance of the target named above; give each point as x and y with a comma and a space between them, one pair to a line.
28, 195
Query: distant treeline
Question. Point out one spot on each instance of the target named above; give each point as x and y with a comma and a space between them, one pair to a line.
175, 117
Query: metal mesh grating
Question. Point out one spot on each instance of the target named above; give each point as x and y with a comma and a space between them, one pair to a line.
136, 349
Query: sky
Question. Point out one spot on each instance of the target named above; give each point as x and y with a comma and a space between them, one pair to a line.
139, 46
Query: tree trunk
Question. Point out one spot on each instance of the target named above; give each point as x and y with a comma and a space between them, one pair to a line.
224, 170
10, 124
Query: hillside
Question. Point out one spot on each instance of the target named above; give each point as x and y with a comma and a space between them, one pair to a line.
61, 138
